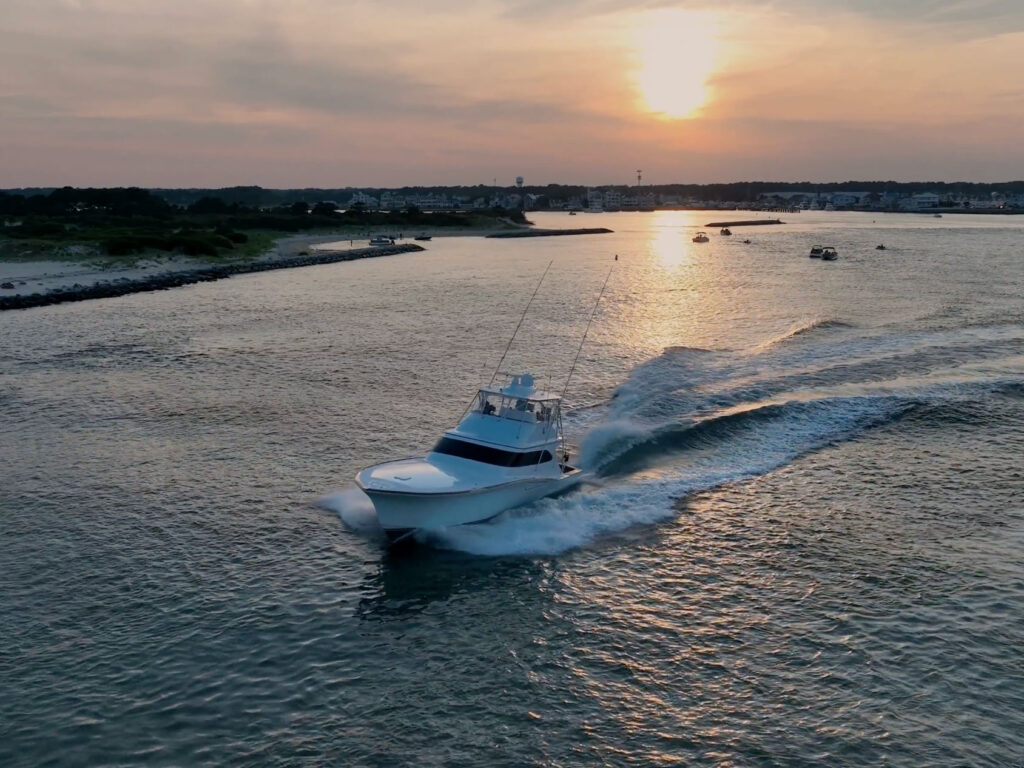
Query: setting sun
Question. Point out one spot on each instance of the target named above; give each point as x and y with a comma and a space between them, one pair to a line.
677, 51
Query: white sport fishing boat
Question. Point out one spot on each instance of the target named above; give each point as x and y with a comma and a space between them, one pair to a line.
507, 450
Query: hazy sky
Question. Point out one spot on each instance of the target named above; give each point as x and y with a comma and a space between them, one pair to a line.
289, 93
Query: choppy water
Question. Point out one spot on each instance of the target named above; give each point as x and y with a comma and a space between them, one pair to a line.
807, 547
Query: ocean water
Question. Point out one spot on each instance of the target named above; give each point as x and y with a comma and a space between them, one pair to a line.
805, 545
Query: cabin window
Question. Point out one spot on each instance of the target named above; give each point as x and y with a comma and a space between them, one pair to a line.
490, 405
515, 408
487, 455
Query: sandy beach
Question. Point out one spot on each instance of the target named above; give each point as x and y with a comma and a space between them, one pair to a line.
38, 283
46, 281
25, 278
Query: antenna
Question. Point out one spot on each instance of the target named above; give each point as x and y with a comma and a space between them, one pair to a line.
585, 332
639, 176
509, 346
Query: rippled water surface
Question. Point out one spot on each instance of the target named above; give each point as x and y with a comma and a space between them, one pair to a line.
806, 546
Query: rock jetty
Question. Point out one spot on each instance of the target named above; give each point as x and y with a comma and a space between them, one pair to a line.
747, 223
551, 232
122, 286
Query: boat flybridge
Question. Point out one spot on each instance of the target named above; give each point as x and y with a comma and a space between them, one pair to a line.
507, 450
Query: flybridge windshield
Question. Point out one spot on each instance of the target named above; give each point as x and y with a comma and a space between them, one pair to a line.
487, 455
517, 408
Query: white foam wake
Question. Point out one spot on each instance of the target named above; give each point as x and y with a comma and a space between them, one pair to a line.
355, 510
551, 526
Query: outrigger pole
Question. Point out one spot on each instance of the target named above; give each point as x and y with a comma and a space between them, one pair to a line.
509, 346
585, 332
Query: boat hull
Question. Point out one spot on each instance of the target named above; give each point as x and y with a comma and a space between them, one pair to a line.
400, 512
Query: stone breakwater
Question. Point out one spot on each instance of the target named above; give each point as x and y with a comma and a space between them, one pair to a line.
158, 282
552, 232
747, 223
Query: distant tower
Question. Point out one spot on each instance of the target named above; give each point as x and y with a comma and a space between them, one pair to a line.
639, 176
519, 181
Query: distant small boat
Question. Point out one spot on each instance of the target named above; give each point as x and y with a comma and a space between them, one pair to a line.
828, 253
572, 213
700, 237
725, 231
816, 251
880, 247
747, 241
381, 240
937, 216
423, 237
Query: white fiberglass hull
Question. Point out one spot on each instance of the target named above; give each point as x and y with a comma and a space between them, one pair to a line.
400, 512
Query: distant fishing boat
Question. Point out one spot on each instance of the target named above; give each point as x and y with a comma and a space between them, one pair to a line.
725, 231
816, 251
423, 237
382, 240
700, 237
828, 253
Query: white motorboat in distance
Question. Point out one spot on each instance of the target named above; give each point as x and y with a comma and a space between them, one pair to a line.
507, 450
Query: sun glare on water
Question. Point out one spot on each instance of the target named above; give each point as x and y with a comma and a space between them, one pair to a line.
677, 51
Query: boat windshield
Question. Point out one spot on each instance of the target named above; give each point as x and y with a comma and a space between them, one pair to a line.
516, 408
489, 455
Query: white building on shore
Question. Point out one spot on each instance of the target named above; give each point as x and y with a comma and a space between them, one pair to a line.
390, 201
920, 201
369, 201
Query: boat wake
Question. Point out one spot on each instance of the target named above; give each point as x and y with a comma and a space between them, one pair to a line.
691, 420
355, 510
821, 324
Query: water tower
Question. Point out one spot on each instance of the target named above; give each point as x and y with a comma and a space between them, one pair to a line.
519, 181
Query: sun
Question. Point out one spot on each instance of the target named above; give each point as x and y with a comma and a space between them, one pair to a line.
677, 51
